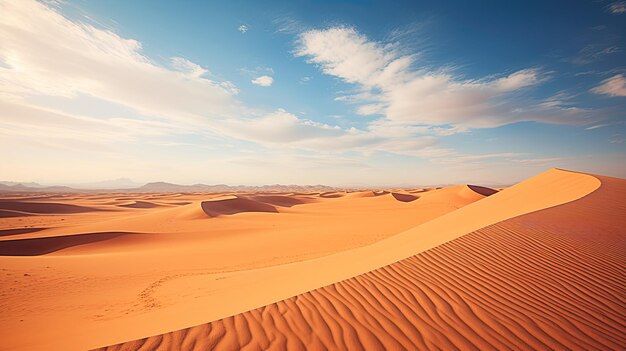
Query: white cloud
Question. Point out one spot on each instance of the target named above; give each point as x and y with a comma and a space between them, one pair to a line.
618, 7
614, 86
99, 63
390, 85
257, 71
243, 28
264, 81
185, 66
281, 127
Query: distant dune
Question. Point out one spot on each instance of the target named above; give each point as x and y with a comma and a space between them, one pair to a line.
127, 186
43, 207
234, 205
538, 265
42, 246
140, 204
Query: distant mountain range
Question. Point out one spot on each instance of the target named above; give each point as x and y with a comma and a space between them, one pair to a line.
118, 185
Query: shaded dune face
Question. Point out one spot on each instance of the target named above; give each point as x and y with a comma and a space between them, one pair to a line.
551, 279
404, 197
482, 190
278, 200
43, 207
235, 205
140, 204
257, 203
331, 195
46, 245
10, 214
17, 231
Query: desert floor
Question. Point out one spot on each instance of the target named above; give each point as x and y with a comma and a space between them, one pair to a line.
539, 265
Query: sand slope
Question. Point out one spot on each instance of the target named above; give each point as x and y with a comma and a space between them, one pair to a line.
552, 279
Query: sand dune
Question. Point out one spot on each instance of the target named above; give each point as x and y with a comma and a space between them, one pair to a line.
360, 194
181, 267
140, 204
235, 204
530, 282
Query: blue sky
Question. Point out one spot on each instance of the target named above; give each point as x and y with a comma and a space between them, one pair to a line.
352, 93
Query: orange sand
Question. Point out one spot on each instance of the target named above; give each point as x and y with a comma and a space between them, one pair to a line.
552, 279
122, 267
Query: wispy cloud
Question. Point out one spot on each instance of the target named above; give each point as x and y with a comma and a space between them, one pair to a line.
242, 29
617, 7
186, 66
257, 71
614, 86
551, 161
288, 25
592, 53
598, 126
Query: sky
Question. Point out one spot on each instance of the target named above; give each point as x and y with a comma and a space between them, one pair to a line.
342, 93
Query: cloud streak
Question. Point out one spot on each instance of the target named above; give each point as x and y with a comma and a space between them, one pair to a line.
618, 7
614, 86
